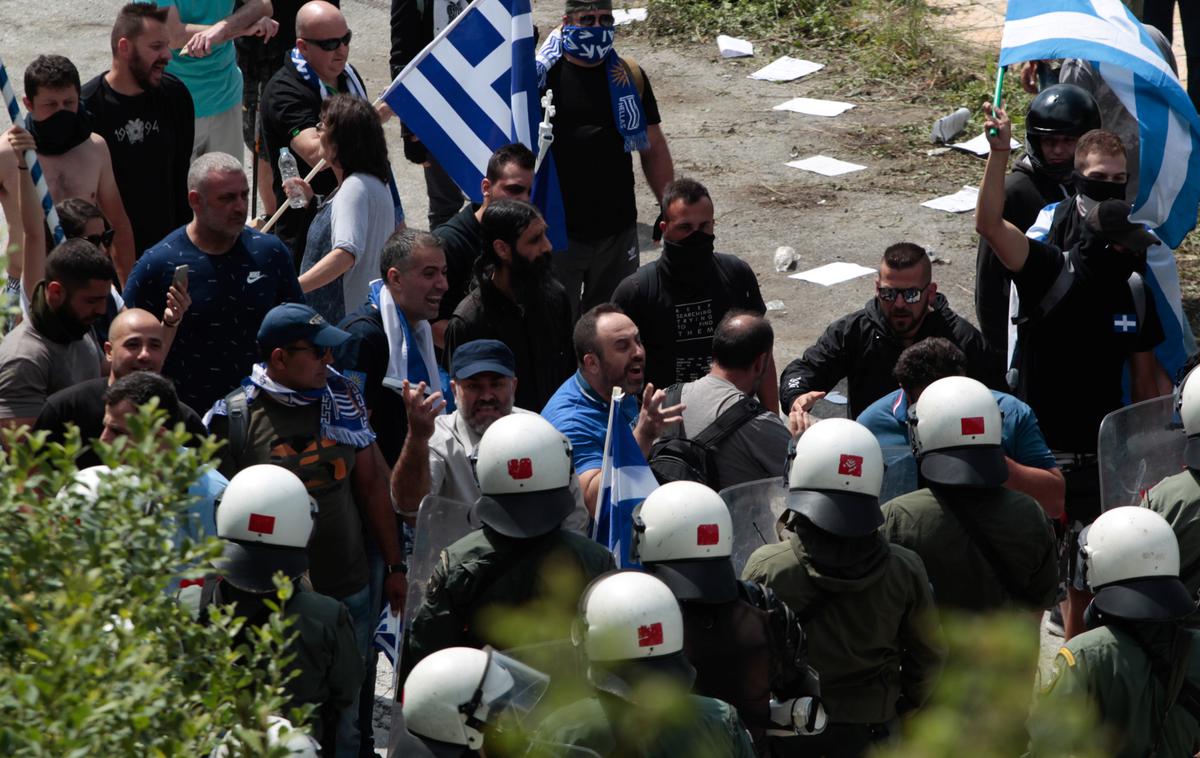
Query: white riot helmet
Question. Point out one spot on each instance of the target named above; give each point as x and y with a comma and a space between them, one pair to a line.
453, 695
835, 476
955, 432
280, 734
629, 617
265, 516
683, 535
1130, 560
86, 484
1189, 411
523, 465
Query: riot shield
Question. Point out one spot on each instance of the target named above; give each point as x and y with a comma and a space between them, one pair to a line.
757, 506
1138, 446
440, 522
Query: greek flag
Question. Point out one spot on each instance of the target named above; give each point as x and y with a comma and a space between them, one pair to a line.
1105, 33
625, 481
474, 89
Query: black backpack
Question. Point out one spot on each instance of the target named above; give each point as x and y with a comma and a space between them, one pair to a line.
677, 458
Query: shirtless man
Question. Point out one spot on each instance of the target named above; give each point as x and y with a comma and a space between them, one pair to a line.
75, 161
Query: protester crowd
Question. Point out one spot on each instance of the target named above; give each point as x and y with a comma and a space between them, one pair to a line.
372, 381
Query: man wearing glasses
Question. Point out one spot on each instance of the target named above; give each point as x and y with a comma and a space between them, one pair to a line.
316, 68
863, 346
605, 111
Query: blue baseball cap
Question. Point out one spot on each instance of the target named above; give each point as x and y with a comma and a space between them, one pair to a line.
290, 322
480, 356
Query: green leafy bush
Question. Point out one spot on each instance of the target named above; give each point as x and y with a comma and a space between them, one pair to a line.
96, 658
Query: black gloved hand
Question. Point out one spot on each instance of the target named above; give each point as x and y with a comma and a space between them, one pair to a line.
414, 151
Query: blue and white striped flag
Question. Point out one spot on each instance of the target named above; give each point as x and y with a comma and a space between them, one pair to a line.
1105, 33
474, 90
625, 481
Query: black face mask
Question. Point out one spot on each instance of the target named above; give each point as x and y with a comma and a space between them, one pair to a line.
695, 246
59, 133
1096, 189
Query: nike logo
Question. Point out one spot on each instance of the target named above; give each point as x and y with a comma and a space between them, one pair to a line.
253, 277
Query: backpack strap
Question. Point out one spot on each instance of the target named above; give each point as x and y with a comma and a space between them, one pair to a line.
1058, 290
730, 420
674, 397
1137, 289
988, 551
635, 73
238, 412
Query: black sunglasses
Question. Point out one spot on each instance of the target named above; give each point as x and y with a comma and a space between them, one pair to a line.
593, 19
331, 44
910, 294
104, 239
319, 352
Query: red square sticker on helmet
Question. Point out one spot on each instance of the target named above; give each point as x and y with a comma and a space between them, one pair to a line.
972, 425
650, 635
261, 523
708, 534
520, 468
850, 465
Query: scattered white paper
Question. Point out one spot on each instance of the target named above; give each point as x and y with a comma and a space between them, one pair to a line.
623, 16
732, 47
963, 200
786, 69
980, 146
826, 166
833, 273
835, 397
813, 107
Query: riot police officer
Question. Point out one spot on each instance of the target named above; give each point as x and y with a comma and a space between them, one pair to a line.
1137, 664
631, 631
984, 546
1177, 498
1057, 118
524, 470
455, 695
746, 644
265, 517
866, 605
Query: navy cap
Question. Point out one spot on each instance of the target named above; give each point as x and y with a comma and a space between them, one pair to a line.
479, 356
291, 322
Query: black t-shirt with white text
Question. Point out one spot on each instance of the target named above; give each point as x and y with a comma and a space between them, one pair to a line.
594, 171
1074, 356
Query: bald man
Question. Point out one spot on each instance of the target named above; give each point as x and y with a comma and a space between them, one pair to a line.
291, 106
136, 342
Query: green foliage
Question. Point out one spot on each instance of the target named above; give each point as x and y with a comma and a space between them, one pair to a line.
982, 705
96, 658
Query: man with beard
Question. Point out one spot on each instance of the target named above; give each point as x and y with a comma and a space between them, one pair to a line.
53, 348
439, 450
517, 301
609, 353
235, 276
1095, 324
147, 119
864, 346
74, 161
677, 300
392, 339
509, 175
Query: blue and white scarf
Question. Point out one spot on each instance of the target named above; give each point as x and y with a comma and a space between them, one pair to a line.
343, 412
628, 113
355, 83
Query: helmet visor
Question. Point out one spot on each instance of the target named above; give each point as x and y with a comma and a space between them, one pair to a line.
525, 686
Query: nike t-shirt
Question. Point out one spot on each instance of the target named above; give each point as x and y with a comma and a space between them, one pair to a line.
231, 293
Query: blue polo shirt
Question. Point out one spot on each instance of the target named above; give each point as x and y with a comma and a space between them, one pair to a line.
216, 344
578, 412
1020, 436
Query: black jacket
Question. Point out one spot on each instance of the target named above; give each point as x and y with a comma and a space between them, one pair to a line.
860, 346
1026, 192
462, 242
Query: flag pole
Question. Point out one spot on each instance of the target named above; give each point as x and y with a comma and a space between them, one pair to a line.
996, 98
606, 464
35, 169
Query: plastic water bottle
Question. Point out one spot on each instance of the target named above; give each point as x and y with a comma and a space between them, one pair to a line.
289, 170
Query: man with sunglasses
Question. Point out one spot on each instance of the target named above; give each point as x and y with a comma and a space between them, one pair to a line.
295, 411
316, 68
604, 111
863, 346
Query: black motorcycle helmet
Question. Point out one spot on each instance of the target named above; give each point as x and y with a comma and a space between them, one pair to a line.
1061, 110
